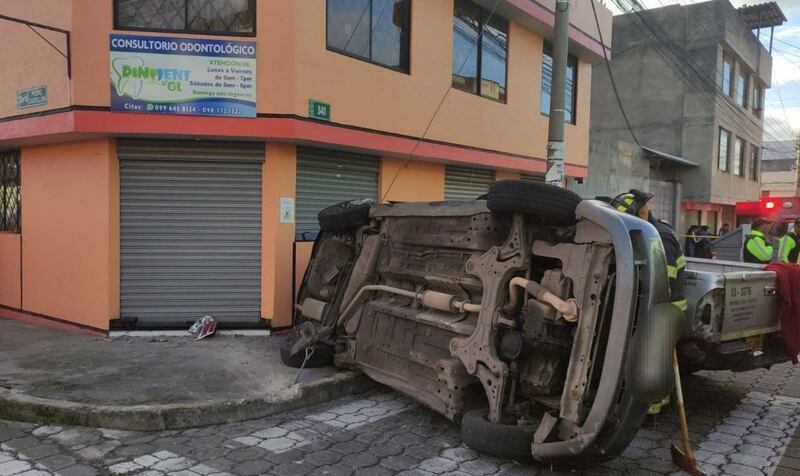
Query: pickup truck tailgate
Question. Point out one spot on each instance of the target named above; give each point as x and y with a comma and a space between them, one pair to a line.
749, 296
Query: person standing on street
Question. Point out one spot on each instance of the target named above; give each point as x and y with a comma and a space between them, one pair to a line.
690, 242
758, 246
724, 230
792, 246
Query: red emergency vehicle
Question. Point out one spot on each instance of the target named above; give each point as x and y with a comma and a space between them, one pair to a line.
776, 209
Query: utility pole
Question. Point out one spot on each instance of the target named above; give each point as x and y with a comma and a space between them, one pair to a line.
796, 166
555, 134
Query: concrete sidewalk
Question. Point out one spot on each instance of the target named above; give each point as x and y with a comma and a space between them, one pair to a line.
152, 383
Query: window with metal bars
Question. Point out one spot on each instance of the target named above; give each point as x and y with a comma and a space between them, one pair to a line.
219, 17
10, 198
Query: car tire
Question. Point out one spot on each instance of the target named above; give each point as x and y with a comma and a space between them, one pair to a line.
345, 216
322, 356
497, 439
554, 205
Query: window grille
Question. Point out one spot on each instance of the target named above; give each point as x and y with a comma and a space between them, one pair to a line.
227, 17
10, 197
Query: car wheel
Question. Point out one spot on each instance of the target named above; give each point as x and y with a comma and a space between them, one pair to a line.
321, 357
497, 439
345, 216
554, 205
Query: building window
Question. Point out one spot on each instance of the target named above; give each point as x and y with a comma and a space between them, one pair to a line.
724, 149
758, 95
738, 157
571, 97
10, 196
752, 166
740, 90
480, 51
377, 31
727, 75
223, 17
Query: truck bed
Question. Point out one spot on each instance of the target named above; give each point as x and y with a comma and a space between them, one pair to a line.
730, 300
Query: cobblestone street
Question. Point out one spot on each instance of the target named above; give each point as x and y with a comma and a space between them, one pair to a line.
742, 424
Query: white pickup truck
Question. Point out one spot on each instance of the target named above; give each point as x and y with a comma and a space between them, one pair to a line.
732, 320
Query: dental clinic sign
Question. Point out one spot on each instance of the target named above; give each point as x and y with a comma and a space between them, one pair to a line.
160, 75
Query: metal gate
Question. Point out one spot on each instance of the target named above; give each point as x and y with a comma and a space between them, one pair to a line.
190, 232
663, 203
327, 177
466, 183
532, 177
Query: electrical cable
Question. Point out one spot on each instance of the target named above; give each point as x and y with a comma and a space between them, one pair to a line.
48, 42
439, 106
611, 75
695, 75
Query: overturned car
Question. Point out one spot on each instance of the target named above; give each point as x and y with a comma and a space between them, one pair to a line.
537, 320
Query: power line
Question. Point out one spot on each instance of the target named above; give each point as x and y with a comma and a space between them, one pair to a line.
611, 75
441, 103
695, 75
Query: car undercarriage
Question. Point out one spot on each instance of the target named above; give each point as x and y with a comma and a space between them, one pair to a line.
538, 321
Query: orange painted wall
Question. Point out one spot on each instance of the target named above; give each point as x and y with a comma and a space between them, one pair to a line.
280, 170
415, 182
70, 240
294, 66
383, 99
27, 60
10, 278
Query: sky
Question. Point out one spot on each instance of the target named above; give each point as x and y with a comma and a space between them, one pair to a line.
782, 103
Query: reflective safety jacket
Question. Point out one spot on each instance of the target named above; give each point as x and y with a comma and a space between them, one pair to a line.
786, 247
793, 256
676, 263
757, 249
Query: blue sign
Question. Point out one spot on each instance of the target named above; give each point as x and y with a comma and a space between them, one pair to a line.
32, 97
161, 75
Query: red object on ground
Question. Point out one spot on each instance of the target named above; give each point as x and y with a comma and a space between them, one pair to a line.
789, 312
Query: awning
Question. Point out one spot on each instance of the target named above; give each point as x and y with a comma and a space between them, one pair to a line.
653, 154
763, 15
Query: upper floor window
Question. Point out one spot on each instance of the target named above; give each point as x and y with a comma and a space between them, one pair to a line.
10, 196
740, 89
758, 95
480, 51
723, 152
378, 31
738, 157
223, 17
727, 75
571, 96
752, 166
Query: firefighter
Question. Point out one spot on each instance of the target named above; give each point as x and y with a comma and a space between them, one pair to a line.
758, 246
635, 203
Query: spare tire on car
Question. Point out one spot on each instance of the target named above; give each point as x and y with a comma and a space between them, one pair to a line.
345, 216
554, 205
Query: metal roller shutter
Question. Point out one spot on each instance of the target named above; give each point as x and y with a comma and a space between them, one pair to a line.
327, 177
190, 232
532, 177
466, 183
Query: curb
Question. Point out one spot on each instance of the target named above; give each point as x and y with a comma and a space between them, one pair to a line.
20, 407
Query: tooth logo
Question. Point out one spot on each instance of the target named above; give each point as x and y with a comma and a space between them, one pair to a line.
125, 84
